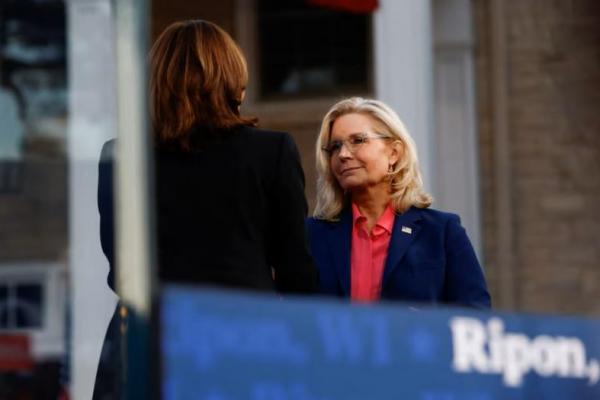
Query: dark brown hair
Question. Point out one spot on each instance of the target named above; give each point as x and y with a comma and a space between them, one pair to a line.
197, 76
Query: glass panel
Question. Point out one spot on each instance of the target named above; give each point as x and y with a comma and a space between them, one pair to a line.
3, 307
29, 306
34, 245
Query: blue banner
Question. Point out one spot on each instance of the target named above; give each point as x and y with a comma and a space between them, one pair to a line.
220, 345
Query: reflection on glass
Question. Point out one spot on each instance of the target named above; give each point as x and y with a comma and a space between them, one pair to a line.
3, 306
28, 306
21, 306
33, 198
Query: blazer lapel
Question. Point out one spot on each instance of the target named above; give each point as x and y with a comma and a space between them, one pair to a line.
340, 238
404, 231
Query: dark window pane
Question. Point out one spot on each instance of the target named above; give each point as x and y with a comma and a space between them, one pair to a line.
10, 176
306, 50
29, 306
3, 306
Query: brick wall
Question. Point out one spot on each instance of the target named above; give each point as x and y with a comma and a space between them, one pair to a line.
553, 92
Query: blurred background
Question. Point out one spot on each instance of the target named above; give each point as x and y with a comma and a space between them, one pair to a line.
502, 98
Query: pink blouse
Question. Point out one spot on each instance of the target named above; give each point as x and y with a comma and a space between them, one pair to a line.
368, 254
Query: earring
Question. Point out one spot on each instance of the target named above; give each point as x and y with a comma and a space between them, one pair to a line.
390, 168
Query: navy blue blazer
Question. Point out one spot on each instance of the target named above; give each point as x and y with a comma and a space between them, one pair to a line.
430, 259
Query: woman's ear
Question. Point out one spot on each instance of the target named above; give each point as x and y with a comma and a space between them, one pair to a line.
396, 151
239, 104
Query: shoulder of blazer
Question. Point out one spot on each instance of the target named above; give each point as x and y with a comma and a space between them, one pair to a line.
432, 216
263, 135
108, 151
429, 214
314, 224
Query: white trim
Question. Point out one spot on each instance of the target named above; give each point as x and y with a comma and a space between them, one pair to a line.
404, 72
408, 69
456, 137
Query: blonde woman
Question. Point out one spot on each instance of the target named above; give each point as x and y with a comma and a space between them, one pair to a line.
372, 234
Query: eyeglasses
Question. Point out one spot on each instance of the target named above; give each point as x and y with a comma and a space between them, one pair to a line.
353, 143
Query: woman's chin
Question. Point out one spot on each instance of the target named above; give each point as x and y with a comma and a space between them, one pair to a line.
350, 185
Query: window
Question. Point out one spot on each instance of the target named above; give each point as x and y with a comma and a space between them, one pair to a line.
21, 305
307, 51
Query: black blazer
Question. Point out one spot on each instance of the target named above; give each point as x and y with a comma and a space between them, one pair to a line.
226, 213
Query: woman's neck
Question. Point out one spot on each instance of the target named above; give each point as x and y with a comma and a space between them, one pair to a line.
372, 204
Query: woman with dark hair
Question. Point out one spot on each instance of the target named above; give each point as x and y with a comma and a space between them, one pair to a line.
230, 202
230, 199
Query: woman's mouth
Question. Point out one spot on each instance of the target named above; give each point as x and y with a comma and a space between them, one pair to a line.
346, 171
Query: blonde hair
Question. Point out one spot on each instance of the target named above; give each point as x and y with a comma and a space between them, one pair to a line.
405, 177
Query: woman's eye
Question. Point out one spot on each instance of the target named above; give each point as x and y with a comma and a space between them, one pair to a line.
357, 140
335, 146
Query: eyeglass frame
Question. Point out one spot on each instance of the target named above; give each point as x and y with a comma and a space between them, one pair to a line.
352, 148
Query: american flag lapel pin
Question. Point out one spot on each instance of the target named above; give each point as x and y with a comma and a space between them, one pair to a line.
406, 229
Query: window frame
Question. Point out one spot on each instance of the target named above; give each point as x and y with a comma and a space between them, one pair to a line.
48, 340
246, 35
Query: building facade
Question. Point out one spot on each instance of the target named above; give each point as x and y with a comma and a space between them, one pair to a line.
502, 97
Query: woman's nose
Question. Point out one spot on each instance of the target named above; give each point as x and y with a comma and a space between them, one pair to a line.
344, 152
